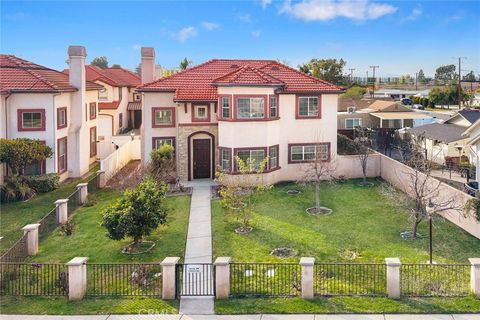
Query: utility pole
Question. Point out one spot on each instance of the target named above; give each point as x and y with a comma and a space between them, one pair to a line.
351, 74
374, 67
416, 76
459, 89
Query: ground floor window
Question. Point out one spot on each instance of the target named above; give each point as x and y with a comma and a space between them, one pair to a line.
226, 159
62, 154
93, 141
308, 152
35, 168
252, 156
273, 157
159, 141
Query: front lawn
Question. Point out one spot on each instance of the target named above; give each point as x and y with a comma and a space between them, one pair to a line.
89, 238
15, 215
363, 223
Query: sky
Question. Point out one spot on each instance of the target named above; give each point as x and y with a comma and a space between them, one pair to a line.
400, 37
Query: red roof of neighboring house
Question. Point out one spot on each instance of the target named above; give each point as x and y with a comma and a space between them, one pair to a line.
19, 75
116, 77
108, 105
200, 82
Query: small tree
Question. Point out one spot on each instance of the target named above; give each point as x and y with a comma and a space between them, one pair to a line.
137, 213
364, 143
240, 192
162, 163
320, 167
185, 63
101, 62
19, 153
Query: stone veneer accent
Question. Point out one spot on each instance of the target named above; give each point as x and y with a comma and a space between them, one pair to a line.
182, 145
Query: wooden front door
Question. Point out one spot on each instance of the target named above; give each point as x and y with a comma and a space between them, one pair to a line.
201, 158
138, 119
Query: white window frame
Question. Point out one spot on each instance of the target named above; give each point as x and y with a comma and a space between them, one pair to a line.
359, 120
23, 113
225, 107
304, 154
163, 141
311, 111
273, 106
257, 164
252, 115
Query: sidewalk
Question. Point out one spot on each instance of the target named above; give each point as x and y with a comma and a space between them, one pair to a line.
255, 317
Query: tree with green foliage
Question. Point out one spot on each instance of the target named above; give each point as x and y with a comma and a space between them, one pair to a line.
355, 92
137, 213
185, 63
116, 66
421, 77
21, 152
330, 70
101, 62
446, 73
470, 77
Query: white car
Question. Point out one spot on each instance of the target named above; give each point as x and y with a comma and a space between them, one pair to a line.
418, 106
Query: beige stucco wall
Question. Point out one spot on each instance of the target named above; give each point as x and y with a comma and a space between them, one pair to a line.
342, 116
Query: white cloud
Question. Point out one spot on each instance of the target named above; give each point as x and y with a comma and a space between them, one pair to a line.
245, 18
136, 47
265, 3
324, 10
185, 34
416, 12
455, 17
210, 26
256, 33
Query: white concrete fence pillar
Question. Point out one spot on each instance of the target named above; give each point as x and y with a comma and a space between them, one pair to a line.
393, 277
307, 265
222, 277
475, 276
169, 266
102, 182
62, 210
83, 187
77, 278
31, 230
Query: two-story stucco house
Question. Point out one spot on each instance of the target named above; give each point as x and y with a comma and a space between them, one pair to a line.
221, 109
61, 110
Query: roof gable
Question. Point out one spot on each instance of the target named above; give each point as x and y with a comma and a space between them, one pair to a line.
248, 75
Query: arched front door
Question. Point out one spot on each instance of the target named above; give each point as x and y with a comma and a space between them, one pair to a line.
201, 155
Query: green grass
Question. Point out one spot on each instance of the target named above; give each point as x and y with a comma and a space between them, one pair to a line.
15, 215
347, 305
89, 238
363, 220
61, 306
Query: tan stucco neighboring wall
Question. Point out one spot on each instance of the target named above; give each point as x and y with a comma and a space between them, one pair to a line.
342, 116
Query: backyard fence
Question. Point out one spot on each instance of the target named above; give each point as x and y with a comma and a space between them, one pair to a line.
18, 252
265, 279
435, 279
224, 279
124, 279
33, 279
73, 202
47, 225
331, 279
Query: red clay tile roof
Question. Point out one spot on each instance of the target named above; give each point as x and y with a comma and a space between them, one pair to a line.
116, 77
200, 82
19, 75
108, 105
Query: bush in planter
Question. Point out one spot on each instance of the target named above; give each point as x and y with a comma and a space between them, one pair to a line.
14, 189
43, 183
162, 163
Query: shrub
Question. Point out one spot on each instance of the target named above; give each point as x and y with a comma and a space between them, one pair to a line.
14, 189
346, 146
67, 228
19, 153
42, 183
162, 163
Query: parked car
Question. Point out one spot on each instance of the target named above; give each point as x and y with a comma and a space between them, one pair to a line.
418, 106
471, 188
406, 101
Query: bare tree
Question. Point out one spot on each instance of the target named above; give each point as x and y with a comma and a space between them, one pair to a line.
364, 144
320, 167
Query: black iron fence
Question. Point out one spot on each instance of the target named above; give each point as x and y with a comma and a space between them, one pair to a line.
265, 279
18, 252
195, 279
93, 184
332, 279
47, 224
435, 279
73, 202
124, 279
33, 279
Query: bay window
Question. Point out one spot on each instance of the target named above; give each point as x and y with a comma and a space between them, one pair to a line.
273, 157
225, 104
308, 152
226, 159
251, 158
250, 108
308, 107
273, 107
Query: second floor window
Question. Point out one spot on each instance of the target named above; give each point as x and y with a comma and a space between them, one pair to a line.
93, 110
31, 119
273, 107
308, 107
102, 94
250, 108
61, 118
163, 117
62, 155
225, 107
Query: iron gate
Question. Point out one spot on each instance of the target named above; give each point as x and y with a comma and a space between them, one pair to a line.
195, 279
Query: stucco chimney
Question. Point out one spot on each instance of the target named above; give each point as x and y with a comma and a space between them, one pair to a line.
148, 64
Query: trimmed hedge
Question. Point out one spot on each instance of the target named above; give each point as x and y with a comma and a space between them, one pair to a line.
43, 183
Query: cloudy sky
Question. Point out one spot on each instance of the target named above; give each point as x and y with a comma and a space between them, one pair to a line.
400, 36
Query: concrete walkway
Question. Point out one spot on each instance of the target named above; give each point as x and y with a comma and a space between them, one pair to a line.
198, 277
255, 317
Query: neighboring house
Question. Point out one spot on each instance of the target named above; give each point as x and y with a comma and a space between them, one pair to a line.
473, 143
398, 94
445, 142
253, 109
380, 114
59, 109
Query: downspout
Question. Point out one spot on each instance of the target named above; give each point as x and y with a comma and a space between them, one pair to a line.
6, 115
54, 131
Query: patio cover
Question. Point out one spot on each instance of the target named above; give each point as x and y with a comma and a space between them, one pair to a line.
399, 115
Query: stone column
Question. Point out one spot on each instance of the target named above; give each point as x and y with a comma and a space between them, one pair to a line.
222, 277
307, 264
77, 278
393, 277
475, 276
31, 230
83, 187
62, 210
101, 179
169, 265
